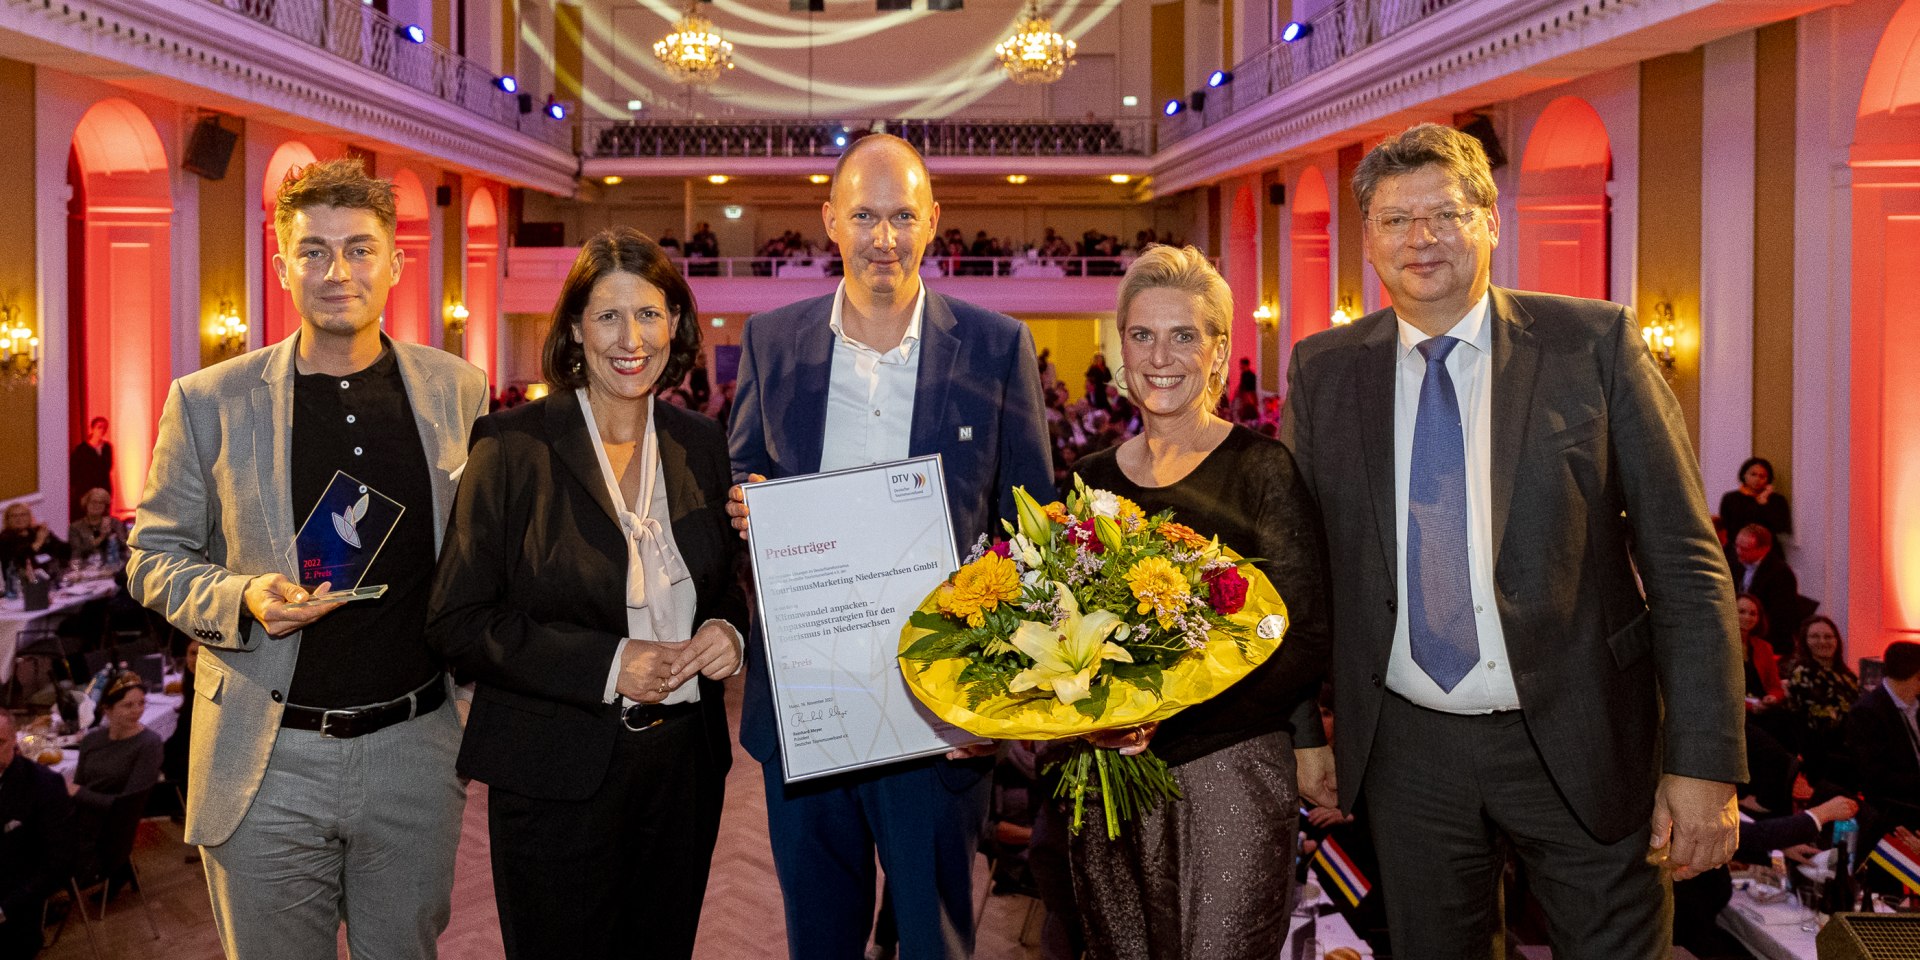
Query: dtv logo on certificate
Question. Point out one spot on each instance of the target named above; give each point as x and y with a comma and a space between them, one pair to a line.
841, 560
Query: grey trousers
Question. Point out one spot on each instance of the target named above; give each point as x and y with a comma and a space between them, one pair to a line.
1447, 795
361, 831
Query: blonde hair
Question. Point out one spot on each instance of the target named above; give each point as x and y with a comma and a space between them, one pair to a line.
1187, 270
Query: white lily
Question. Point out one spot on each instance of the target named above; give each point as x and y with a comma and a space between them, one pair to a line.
1067, 657
1024, 551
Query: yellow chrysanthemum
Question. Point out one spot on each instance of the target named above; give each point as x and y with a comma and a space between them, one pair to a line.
981, 586
1057, 512
1181, 535
1130, 517
1160, 587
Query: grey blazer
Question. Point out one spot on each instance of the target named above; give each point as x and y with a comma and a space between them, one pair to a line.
217, 513
1616, 604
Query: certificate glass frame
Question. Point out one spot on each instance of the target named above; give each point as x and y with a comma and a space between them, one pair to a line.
344, 532
840, 561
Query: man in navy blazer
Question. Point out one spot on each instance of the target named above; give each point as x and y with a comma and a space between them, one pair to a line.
881, 370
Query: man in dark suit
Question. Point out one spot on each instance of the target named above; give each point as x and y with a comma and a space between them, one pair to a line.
881, 370
1501, 678
1884, 745
1759, 569
33, 811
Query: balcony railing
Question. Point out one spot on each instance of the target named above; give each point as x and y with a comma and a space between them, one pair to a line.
818, 138
1338, 32
360, 34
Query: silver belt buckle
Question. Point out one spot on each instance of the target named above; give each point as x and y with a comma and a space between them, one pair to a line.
326, 719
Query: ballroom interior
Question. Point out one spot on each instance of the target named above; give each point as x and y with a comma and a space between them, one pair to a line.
1744, 174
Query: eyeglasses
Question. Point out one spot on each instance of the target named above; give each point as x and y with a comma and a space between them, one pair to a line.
1445, 224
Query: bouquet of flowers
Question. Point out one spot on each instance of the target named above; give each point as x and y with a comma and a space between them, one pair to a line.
1091, 616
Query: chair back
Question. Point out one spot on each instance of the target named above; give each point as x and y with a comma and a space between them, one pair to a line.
114, 835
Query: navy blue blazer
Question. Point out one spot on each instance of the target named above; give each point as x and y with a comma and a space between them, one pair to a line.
978, 405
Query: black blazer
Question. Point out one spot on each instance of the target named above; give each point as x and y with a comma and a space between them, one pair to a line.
1883, 768
34, 812
1778, 591
1592, 477
530, 596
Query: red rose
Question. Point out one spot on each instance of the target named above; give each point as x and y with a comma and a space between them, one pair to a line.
1003, 548
1084, 534
1226, 590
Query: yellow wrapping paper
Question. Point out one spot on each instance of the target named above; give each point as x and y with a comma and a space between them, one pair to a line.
1041, 716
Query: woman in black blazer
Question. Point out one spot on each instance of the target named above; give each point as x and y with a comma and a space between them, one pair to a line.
587, 585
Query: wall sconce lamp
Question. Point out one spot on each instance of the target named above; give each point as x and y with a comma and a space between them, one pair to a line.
19, 346
457, 314
228, 330
1346, 312
1265, 318
1658, 335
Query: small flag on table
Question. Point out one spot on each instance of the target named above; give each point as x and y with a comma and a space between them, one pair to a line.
1340, 872
1899, 857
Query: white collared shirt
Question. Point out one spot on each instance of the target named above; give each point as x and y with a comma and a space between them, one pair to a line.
1489, 685
870, 394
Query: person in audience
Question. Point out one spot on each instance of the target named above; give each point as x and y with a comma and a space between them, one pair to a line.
588, 587
1821, 689
1755, 501
668, 243
24, 540
90, 465
122, 757
96, 533
1248, 384
34, 810
1235, 756
1758, 569
1765, 692
1697, 902
1883, 746
1098, 377
1520, 671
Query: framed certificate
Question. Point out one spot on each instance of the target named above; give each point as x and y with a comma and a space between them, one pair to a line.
840, 561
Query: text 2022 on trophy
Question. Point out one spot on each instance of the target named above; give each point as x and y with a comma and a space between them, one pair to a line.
342, 535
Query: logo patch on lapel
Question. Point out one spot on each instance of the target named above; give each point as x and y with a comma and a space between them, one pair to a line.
966, 434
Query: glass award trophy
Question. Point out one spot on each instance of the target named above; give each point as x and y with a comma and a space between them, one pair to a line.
340, 538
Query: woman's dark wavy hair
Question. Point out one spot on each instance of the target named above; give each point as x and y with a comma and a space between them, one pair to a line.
619, 250
1750, 463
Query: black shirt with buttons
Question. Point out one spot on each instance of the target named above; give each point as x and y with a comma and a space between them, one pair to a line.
367, 651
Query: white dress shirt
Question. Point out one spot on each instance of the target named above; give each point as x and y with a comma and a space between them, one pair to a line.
1909, 715
870, 394
1489, 685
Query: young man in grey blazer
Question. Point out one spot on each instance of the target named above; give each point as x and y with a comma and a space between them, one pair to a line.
1534, 646
323, 742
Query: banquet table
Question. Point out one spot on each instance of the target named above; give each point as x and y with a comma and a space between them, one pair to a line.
162, 716
1331, 930
14, 618
1770, 931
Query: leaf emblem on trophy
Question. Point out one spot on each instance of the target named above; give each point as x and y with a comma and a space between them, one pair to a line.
347, 526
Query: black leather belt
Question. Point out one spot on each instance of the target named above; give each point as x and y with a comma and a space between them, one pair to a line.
360, 721
641, 716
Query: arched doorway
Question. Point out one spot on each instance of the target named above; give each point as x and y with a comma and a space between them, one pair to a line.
483, 279
1884, 510
1563, 202
276, 303
1310, 271
408, 304
119, 264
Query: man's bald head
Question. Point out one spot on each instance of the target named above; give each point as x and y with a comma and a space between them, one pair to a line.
876, 147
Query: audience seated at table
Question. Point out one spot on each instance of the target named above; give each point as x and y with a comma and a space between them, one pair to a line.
1821, 689
24, 539
34, 810
97, 534
1755, 501
1759, 569
1698, 901
1883, 747
121, 757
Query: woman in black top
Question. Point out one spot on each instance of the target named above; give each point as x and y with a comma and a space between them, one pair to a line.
1755, 501
122, 757
1211, 874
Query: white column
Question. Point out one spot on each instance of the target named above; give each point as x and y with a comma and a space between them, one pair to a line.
1726, 262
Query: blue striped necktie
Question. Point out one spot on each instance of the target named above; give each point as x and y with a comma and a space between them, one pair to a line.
1440, 624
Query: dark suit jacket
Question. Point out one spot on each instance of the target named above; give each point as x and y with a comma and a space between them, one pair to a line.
1883, 768
33, 819
530, 595
1592, 477
977, 374
1779, 593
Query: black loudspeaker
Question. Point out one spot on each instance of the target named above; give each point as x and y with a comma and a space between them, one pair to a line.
1197, 101
210, 148
1277, 194
1481, 129
443, 196
526, 102
1870, 936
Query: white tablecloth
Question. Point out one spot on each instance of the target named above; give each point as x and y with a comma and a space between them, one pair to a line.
14, 619
1331, 929
1770, 931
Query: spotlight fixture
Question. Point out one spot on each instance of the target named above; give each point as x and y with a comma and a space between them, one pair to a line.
1121, 178
818, 178
1296, 31
840, 140
611, 181
1220, 78
1016, 178
507, 84
412, 33
1173, 106
555, 108
717, 179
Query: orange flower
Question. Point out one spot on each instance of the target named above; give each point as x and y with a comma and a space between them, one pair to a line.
1181, 535
1057, 512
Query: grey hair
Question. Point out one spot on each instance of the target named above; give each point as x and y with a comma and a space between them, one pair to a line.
1187, 270
1427, 144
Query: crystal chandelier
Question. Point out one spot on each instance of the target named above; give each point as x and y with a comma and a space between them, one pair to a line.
1035, 53
694, 52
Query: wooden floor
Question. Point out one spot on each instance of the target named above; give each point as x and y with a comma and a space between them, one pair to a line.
741, 920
